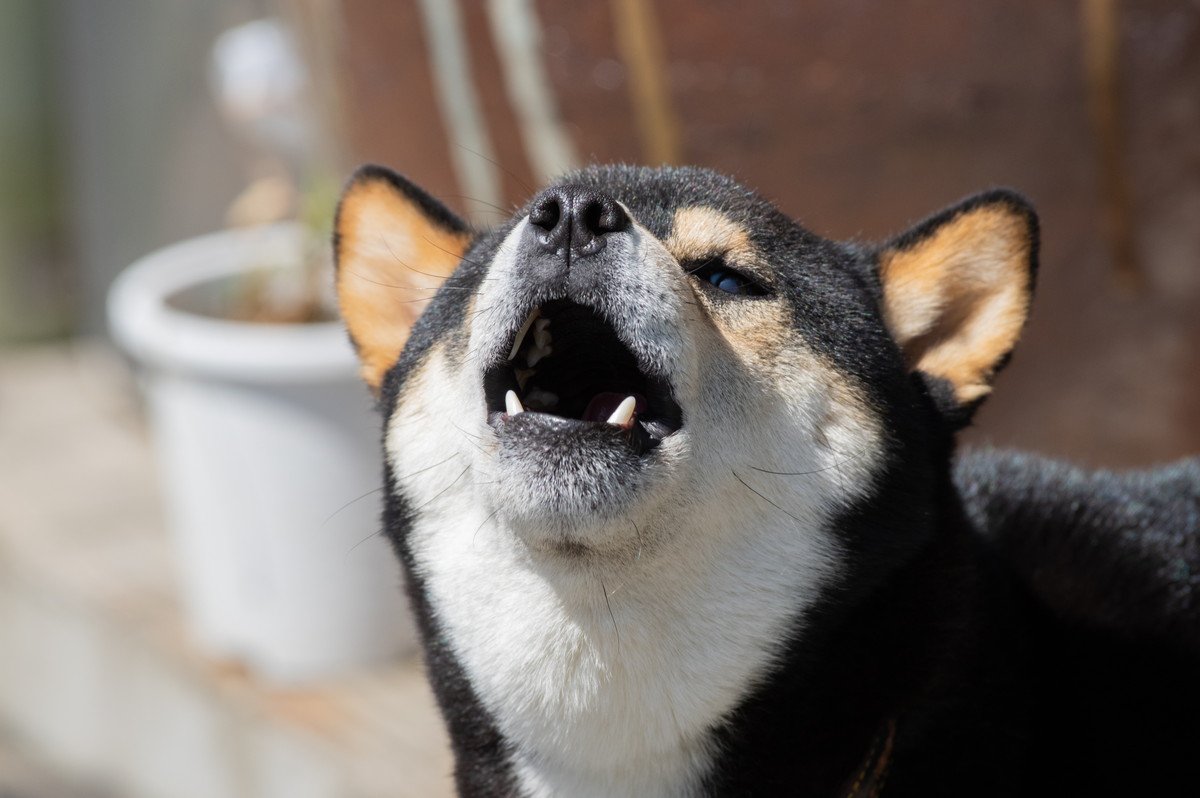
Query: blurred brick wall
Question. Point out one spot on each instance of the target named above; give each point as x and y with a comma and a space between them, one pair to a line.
859, 117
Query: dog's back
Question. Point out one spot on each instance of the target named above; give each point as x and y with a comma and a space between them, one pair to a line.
1108, 565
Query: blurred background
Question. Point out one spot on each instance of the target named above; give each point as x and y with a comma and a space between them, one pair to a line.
130, 125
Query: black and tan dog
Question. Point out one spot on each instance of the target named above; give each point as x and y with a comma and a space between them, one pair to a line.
672, 480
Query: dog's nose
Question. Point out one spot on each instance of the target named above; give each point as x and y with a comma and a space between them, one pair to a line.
575, 221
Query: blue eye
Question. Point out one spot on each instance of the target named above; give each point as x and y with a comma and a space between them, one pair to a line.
716, 273
726, 282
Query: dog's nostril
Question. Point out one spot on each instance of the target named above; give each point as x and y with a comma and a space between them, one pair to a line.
602, 215
546, 213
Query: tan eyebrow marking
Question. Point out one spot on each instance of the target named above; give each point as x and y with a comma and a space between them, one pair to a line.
702, 232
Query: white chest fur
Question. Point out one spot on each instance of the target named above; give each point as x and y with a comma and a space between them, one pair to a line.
609, 683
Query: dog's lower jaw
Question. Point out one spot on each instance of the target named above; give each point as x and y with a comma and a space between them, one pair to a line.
575, 545
595, 499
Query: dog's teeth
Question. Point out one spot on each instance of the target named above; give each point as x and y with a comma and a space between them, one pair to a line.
623, 415
521, 333
523, 376
541, 333
537, 353
512, 403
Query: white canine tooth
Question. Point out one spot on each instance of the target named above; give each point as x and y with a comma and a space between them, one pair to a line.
512, 404
521, 333
624, 412
541, 333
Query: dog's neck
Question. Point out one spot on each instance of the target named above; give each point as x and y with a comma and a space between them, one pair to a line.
607, 679
666, 672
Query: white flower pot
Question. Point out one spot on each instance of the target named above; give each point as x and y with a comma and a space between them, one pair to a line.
265, 438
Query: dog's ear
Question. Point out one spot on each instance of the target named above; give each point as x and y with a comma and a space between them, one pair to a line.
956, 293
393, 245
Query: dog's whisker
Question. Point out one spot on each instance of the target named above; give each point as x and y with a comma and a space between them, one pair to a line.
506, 211
528, 189
482, 524
764, 498
468, 436
352, 501
375, 534
438, 495
611, 616
462, 258
836, 464
446, 286
396, 258
428, 468
811, 472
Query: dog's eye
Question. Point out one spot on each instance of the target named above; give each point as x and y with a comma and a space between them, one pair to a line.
721, 276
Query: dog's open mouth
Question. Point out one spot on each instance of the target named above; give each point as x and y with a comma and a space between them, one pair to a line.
567, 364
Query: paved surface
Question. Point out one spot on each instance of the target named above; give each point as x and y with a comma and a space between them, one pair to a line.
22, 776
99, 684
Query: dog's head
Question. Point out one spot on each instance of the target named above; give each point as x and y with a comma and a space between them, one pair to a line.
641, 354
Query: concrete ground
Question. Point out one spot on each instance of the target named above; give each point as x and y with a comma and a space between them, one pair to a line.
24, 776
101, 691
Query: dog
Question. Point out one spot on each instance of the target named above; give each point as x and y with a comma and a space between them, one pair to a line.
674, 486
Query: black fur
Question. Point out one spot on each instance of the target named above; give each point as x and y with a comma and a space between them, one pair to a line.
480, 752
1031, 629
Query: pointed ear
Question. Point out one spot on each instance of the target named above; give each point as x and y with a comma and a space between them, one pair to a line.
393, 244
957, 287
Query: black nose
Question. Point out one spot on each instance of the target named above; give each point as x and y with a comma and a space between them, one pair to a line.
575, 220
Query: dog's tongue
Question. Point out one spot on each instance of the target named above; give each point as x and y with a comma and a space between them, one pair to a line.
603, 405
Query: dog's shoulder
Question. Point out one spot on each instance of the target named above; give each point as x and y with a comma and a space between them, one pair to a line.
1114, 550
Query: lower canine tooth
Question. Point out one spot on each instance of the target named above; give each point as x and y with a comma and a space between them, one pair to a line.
624, 412
512, 404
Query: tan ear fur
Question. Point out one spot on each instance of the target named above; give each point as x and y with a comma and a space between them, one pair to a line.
393, 245
956, 290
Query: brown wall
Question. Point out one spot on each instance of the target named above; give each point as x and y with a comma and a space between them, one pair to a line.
860, 116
